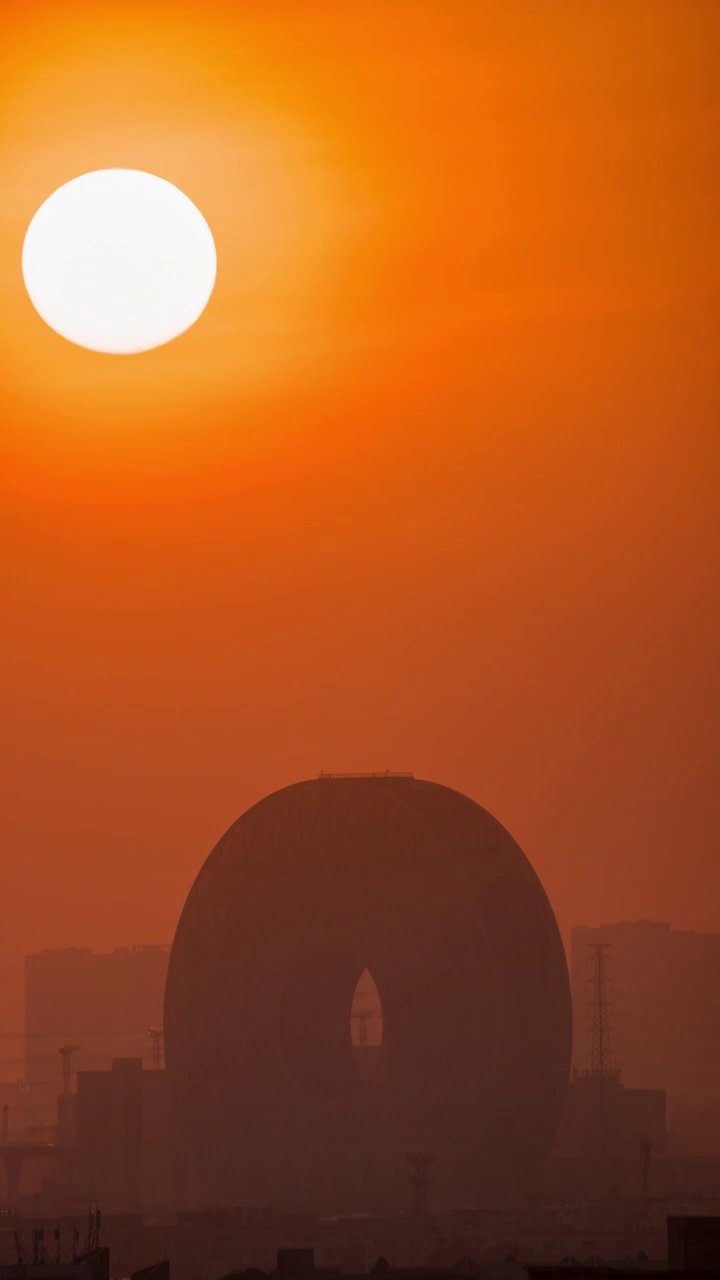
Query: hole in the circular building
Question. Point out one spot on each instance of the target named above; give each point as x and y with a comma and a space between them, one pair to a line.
366, 1026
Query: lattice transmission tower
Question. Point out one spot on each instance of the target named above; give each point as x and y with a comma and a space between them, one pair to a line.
601, 1057
600, 1038
156, 1035
419, 1165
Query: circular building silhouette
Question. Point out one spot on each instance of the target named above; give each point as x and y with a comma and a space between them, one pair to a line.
288, 1091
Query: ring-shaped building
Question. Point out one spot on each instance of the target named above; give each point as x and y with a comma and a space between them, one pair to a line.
425, 889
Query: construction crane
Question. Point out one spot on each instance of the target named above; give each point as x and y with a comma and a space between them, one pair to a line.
66, 1054
41, 1128
156, 1035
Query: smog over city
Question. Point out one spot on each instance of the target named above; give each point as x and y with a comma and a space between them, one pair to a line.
359, 680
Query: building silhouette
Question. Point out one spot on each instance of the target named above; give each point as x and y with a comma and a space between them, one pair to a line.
127, 1149
419, 887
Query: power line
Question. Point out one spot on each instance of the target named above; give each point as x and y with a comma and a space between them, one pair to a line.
63, 1031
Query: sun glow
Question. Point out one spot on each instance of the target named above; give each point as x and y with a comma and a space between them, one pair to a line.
119, 261
203, 101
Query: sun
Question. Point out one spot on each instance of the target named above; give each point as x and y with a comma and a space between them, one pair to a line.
119, 261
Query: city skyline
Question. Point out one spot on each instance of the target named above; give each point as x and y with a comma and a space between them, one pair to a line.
359, 561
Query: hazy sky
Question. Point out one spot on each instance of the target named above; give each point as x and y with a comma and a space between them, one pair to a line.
432, 485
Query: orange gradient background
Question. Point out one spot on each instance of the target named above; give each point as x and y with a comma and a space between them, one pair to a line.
430, 486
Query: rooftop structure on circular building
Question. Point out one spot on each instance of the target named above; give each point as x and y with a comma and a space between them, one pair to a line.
422, 888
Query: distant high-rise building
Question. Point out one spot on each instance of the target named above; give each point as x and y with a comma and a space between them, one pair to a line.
127, 1151
664, 1005
99, 1006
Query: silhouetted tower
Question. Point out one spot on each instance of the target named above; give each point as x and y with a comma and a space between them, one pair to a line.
419, 1164
93, 1236
600, 1040
362, 1017
66, 1054
156, 1037
38, 1246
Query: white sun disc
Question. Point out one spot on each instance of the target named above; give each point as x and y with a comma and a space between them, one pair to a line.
119, 261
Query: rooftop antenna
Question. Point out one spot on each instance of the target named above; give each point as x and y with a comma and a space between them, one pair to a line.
66, 1054
93, 1236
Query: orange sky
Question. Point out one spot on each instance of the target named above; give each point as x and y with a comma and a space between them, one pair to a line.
432, 484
